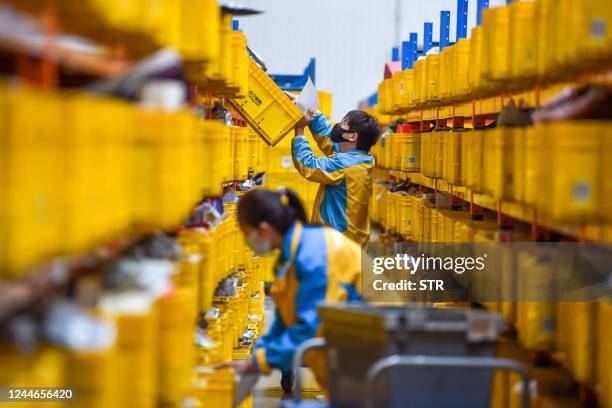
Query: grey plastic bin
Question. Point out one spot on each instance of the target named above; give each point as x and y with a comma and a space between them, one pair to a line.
358, 335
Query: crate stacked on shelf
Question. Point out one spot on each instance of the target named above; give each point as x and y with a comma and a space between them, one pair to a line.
513, 51
96, 167
90, 176
501, 58
518, 184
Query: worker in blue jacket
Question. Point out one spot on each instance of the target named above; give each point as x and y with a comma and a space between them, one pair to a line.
344, 174
316, 264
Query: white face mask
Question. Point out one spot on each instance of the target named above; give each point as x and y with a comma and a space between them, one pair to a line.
259, 249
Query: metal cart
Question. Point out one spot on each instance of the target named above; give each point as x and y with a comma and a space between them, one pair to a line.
427, 369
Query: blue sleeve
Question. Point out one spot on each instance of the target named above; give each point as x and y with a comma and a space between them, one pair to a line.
276, 330
312, 290
321, 129
324, 170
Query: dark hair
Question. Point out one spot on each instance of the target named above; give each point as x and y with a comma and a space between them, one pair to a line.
261, 205
367, 127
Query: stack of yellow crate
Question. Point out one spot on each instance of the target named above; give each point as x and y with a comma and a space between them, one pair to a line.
502, 55
137, 343
215, 388
96, 175
177, 313
573, 171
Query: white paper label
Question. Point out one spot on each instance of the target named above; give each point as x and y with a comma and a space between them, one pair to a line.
286, 162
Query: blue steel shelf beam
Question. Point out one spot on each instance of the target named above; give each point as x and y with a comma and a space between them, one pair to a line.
444, 29
395, 54
482, 4
296, 82
427, 37
462, 18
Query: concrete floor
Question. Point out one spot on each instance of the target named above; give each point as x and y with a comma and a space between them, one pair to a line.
268, 392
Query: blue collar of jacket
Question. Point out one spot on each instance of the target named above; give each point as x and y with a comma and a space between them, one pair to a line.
286, 252
357, 152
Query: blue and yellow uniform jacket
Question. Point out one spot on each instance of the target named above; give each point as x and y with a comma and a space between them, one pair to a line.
317, 264
343, 198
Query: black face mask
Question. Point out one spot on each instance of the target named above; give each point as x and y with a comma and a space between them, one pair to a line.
337, 132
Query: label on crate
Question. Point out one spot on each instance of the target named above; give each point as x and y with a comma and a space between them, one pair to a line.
582, 192
286, 162
598, 28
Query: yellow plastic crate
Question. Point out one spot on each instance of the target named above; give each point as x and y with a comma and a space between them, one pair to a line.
462, 65
404, 216
409, 145
241, 152
216, 148
525, 165
226, 67
262, 153
426, 153
419, 82
407, 89
325, 103
382, 97
199, 30
436, 221
432, 75
219, 75
43, 367
266, 108
577, 323
392, 205
472, 158
432, 153
100, 388
447, 63
474, 74
214, 388
388, 151
252, 150
396, 96
572, 171
240, 61
452, 157
29, 158
593, 34
604, 352
393, 148
496, 42
567, 18
535, 320
546, 39
523, 31
418, 213
177, 312
388, 93
498, 162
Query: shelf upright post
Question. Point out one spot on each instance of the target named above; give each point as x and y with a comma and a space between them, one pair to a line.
444, 29
462, 18
482, 4
427, 37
